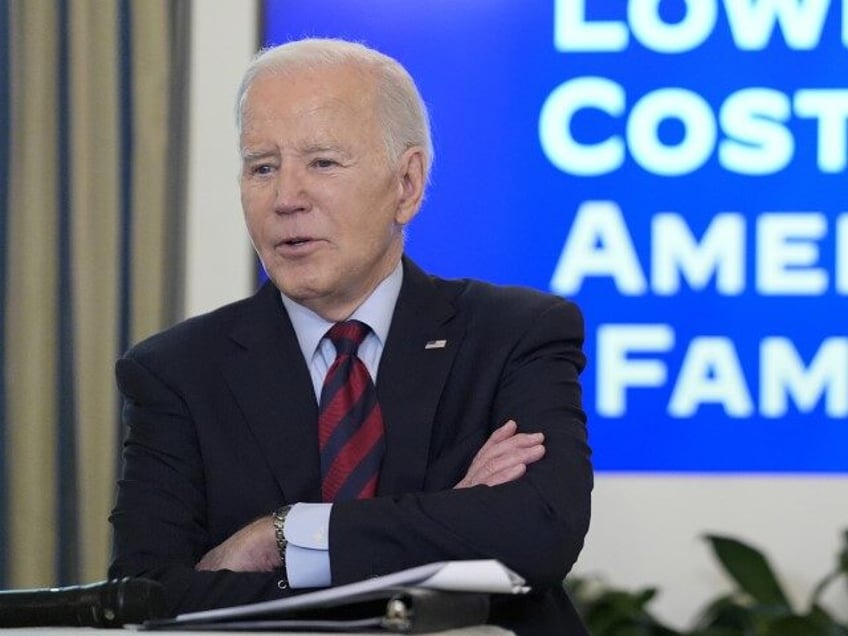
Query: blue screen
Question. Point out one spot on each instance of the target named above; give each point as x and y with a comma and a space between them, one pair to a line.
678, 169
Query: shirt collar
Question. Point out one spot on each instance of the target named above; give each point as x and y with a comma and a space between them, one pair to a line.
376, 312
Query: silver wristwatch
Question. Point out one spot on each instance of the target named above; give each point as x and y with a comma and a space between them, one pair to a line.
279, 519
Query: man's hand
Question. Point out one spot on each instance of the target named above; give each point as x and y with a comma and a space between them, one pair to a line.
251, 549
504, 457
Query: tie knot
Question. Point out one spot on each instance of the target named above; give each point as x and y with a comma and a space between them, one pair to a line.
347, 336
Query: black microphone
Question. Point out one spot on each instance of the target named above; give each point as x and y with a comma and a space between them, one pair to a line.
105, 604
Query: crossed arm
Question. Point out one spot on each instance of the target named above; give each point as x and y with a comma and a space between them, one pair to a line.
503, 458
185, 490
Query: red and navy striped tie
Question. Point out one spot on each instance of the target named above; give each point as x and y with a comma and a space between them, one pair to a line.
350, 424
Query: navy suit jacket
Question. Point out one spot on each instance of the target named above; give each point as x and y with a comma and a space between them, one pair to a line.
222, 415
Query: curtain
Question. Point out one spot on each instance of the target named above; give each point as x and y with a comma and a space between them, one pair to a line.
92, 189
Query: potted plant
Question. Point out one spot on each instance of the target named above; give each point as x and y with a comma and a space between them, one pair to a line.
758, 606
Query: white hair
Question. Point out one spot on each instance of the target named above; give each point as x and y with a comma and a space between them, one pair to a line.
403, 114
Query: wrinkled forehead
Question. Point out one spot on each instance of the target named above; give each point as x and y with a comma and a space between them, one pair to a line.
313, 108
303, 85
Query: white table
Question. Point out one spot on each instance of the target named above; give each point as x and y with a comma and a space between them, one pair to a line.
481, 630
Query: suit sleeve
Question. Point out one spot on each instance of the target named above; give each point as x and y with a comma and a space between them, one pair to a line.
536, 524
159, 519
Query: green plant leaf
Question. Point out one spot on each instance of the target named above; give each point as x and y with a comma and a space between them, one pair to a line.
843, 556
816, 623
724, 613
839, 571
823, 585
758, 608
819, 614
630, 630
614, 612
793, 626
719, 631
751, 571
577, 587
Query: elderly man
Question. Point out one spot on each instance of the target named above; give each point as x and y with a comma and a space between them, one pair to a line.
356, 416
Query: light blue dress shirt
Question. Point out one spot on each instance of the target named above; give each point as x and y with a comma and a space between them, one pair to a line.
307, 524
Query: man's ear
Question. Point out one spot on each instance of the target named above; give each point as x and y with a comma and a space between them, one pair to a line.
411, 184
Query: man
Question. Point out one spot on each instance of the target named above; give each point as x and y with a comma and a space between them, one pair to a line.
477, 446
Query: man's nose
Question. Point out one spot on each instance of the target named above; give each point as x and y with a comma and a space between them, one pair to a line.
290, 191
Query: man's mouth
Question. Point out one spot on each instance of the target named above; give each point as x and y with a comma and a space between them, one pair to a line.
298, 245
296, 241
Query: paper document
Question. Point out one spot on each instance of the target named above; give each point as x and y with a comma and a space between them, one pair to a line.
487, 575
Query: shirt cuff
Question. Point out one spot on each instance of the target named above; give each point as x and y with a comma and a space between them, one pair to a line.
307, 545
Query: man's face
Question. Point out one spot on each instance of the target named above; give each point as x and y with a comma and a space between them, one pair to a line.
324, 205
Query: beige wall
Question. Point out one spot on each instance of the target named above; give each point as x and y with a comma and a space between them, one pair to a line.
218, 267
645, 530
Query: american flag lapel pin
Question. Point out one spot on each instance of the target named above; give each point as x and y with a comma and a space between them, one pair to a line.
436, 344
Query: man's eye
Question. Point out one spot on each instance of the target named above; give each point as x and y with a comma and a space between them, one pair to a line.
263, 168
324, 163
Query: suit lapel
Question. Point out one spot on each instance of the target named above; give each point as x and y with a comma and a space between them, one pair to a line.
271, 383
420, 349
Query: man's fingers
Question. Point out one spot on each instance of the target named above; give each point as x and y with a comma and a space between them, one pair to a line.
488, 471
504, 462
507, 475
500, 434
516, 442
504, 456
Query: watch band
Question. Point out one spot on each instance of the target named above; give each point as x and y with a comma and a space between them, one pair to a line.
279, 519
